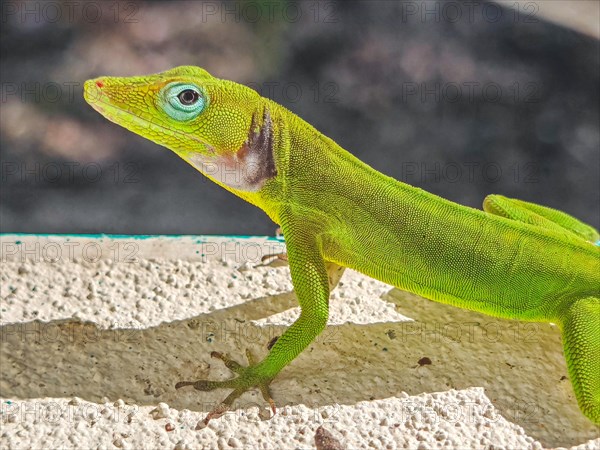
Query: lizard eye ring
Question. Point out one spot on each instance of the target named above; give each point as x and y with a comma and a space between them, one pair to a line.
183, 101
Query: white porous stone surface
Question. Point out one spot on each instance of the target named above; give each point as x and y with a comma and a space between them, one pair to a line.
96, 330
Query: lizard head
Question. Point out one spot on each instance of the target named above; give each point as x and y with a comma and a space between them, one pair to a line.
222, 128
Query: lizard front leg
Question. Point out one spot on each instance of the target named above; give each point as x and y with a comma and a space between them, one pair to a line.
311, 279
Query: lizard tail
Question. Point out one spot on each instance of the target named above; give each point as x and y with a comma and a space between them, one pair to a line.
580, 324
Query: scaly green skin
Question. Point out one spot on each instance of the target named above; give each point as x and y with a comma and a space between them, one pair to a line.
514, 260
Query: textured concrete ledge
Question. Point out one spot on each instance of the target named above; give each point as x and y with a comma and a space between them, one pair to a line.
94, 338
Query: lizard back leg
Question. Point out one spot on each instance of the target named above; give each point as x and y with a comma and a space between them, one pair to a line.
580, 325
538, 215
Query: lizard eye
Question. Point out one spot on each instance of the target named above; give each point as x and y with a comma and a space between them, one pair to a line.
188, 97
182, 101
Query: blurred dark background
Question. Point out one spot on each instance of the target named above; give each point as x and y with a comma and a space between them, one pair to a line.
461, 99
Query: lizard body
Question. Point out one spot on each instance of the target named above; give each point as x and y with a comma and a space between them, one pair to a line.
514, 259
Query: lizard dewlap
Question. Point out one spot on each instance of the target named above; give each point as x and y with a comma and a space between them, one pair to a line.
513, 259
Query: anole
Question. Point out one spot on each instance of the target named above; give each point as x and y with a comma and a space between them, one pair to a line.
514, 259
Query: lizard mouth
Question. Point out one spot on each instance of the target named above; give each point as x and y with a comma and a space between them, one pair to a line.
135, 119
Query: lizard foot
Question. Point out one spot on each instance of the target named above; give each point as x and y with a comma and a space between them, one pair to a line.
247, 379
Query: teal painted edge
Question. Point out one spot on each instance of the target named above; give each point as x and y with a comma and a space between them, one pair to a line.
203, 237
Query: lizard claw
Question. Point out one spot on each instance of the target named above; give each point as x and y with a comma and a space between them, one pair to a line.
247, 379
274, 260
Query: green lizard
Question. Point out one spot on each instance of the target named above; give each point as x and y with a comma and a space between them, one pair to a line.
514, 259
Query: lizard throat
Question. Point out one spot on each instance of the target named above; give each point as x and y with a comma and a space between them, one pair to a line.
251, 166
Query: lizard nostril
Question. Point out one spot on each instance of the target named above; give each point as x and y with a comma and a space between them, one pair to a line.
100, 84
